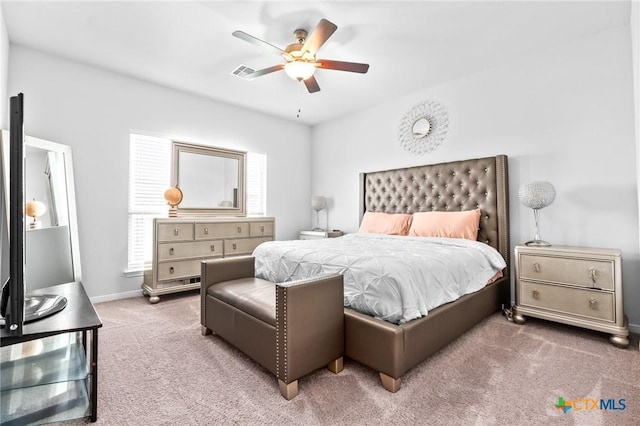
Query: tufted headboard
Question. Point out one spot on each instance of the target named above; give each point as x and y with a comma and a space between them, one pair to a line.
454, 186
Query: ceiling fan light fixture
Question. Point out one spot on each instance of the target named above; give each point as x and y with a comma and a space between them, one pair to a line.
299, 70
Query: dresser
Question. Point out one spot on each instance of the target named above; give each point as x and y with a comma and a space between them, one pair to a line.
179, 245
578, 286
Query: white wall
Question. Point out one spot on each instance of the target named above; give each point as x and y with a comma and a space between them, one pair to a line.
635, 46
4, 75
564, 115
94, 111
4, 103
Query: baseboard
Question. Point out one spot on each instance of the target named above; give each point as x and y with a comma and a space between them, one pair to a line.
116, 296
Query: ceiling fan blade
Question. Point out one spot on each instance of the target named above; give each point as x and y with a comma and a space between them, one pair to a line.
312, 84
342, 66
319, 36
264, 71
254, 40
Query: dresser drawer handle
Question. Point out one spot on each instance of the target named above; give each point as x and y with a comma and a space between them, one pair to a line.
171, 251
536, 266
175, 231
593, 273
262, 228
206, 231
171, 269
593, 303
535, 294
239, 230
213, 247
234, 246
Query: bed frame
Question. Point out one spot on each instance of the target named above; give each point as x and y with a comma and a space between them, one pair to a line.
460, 185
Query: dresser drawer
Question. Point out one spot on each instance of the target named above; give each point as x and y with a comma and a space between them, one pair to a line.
222, 230
182, 250
177, 270
175, 231
260, 229
587, 303
566, 270
242, 246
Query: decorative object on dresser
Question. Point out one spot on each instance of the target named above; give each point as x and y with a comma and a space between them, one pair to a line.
318, 202
536, 196
35, 209
423, 127
173, 195
573, 285
180, 245
313, 235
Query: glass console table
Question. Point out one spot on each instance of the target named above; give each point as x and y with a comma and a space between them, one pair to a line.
50, 373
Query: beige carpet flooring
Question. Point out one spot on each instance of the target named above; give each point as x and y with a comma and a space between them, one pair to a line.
157, 369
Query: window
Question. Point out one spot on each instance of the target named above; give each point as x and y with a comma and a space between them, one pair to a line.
150, 176
256, 184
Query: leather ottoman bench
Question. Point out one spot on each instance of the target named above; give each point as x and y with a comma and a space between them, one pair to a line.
291, 329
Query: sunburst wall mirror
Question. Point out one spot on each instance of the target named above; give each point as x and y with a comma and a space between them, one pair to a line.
423, 128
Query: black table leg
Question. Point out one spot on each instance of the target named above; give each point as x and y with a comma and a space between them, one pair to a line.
94, 375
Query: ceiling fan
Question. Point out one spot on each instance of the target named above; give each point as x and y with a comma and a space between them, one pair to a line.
301, 62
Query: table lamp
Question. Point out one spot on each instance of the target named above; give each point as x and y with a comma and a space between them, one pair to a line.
35, 209
173, 195
536, 196
318, 202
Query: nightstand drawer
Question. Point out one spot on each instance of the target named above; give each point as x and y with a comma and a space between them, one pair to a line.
566, 270
587, 303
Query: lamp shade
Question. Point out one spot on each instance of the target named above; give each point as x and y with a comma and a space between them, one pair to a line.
537, 195
35, 208
299, 70
173, 196
318, 202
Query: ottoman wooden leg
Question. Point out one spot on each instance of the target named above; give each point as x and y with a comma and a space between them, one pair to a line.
290, 390
336, 366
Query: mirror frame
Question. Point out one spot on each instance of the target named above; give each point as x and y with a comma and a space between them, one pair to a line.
241, 156
46, 145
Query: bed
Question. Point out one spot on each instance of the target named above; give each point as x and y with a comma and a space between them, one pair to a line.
393, 348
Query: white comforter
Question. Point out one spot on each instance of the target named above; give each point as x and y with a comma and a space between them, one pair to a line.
394, 278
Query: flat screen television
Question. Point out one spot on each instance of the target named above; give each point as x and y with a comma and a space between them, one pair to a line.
16, 307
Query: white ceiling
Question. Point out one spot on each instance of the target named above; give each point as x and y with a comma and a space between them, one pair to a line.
410, 45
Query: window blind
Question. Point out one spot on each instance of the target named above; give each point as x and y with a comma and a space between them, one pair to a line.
149, 177
256, 184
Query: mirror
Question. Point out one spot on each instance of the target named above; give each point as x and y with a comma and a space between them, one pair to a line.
51, 238
421, 128
212, 180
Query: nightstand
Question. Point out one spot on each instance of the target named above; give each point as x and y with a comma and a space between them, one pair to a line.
578, 286
314, 235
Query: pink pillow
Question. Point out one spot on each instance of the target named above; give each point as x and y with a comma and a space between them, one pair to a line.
462, 224
385, 223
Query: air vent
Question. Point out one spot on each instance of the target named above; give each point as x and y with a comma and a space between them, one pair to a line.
242, 71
